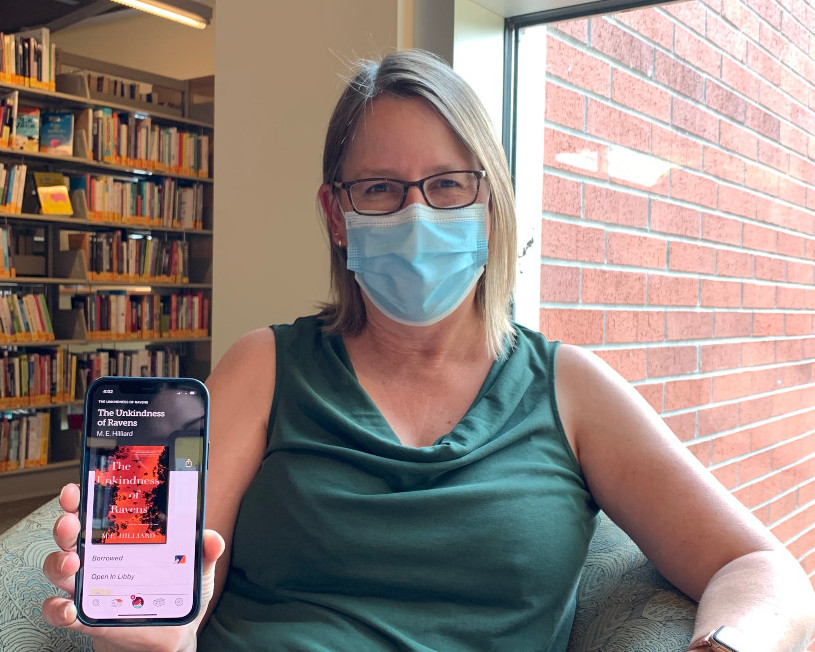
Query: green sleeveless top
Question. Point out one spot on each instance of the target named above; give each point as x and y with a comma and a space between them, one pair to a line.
348, 540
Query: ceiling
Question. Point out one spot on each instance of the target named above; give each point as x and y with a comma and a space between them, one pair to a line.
56, 14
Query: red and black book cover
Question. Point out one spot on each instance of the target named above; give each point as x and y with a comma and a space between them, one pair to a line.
130, 495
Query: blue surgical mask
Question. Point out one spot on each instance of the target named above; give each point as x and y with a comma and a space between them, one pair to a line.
419, 264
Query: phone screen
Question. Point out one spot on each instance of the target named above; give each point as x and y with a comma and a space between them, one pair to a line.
142, 507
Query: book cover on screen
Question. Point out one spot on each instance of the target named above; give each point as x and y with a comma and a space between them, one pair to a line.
130, 495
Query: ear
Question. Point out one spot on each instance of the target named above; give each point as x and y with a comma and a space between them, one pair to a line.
333, 211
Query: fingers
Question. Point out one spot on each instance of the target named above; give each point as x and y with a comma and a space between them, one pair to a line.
60, 569
213, 546
66, 530
60, 612
69, 497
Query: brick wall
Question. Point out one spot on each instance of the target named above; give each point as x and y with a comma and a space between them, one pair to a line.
678, 233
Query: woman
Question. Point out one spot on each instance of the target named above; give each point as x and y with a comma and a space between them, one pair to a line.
409, 470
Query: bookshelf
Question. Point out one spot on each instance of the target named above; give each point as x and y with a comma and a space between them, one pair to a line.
106, 233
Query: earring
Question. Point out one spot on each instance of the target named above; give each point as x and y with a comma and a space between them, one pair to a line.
339, 239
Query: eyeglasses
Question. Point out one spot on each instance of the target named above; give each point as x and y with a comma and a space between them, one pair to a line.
381, 196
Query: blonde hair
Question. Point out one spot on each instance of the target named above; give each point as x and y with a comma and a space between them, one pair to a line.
419, 74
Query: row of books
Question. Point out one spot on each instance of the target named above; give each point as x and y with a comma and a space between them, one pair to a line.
128, 138
117, 315
12, 187
159, 202
126, 89
39, 378
24, 318
118, 256
28, 59
24, 440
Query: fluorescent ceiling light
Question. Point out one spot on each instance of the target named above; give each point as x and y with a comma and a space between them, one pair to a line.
169, 11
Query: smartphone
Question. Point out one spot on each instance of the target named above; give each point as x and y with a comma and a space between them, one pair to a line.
144, 460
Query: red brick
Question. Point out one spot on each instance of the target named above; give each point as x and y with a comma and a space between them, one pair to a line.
651, 24
795, 32
642, 96
776, 102
737, 201
689, 257
577, 67
792, 191
701, 452
629, 363
764, 64
715, 357
791, 245
682, 78
798, 324
791, 298
672, 290
725, 102
755, 409
567, 152
693, 188
789, 350
738, 140
672, 218
560, 284
769, 10
618, 127
755, 466
622, 46
691, 15
770, 269
722, 165
760, 237
682, 425
635, 250
735, 263
740, 78
653, 393
635, 326
700, 122
578, 29
697, 52
794, 138
764, 489
800, 273
782, 507
733, 324
788, 453
610, 286
801, 116
790, 401
686, 393
718, 419
671, 360
774, 156
674, 147
728, 475
568, 241
689, 325
763, 122
727, 38
802, 169
561, 195
615, 206
791, 527
565, 107
758, 352
721, 294
757, 296
730, 386
727, 447
721, 229
761, 178
768, 324
572, 326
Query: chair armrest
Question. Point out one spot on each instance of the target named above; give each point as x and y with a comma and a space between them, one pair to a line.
23, 587
624, 604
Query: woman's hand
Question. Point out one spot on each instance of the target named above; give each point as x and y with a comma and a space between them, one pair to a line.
60, 568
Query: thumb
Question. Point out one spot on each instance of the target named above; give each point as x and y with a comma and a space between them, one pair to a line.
213, 548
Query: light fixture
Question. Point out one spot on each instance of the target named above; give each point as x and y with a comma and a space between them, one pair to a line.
181, 11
